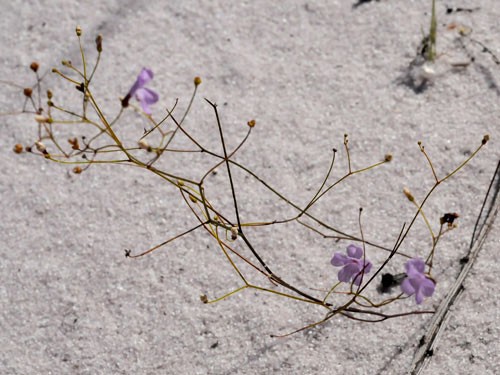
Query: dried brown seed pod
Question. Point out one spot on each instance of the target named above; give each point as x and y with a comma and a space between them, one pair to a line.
18, 148
34, 66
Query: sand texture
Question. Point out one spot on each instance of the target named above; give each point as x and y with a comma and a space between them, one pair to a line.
308, 72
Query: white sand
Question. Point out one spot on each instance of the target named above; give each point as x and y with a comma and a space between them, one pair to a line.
308, 73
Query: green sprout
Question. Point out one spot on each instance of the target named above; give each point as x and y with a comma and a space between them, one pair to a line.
431, 55
427, 47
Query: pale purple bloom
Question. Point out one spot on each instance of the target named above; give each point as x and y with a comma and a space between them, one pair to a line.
416, 282
144, 95
353, 265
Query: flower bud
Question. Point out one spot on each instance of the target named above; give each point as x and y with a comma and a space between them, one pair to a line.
486, 138
408, 194
27, 92
18, 148
78, 30
74, 143
234, 233
251, 123
77, 170
34, 66
143, 144
388, 157
449, 218
80, 87
98, 43
197, 81
41, 119
41, 147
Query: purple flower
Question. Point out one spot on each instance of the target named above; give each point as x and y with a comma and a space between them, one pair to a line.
416, 282
353, 265
144, 95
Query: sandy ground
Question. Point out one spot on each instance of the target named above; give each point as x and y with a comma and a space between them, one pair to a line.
308, 72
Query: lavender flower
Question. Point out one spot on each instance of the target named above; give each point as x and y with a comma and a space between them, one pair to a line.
353, 265
416, 282
144, 95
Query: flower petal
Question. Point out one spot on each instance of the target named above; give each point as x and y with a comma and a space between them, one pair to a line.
415, 265
358, 278
419, 297
354, 251
427, 287
368, 266
146, 97
407, 287
143, 78
347, 272
416, 281
339, 259
362, 271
